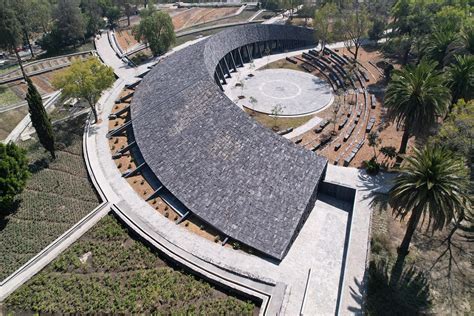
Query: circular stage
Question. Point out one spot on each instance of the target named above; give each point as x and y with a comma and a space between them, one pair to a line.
297, 93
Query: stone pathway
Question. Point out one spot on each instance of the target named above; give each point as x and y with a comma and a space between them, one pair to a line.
319, 245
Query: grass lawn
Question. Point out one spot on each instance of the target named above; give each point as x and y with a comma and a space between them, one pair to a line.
109, 271
424, 289
87, 46
8, 69
57, 195
10, 119
183, 39
282, 122
282, 64
8, 97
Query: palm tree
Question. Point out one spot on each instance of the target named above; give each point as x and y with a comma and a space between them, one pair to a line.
463, 45
416, 96
461, 78
437, 45
432, 185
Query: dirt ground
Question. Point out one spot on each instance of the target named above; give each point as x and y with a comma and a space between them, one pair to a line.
388, 133
143, 188
182, 19
449, 296
195, 16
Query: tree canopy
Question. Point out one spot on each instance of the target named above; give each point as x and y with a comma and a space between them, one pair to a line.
13, 174
156, 29
85, 80
40, 119
415, 97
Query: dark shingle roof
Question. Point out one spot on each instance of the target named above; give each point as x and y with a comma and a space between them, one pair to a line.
240, 177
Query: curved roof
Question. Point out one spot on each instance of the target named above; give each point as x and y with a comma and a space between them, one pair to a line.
235, 174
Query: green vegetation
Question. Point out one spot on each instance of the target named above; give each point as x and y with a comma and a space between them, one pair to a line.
433, 186
85, 79
57, 195
415, 97
155, 29
40, 119
10, 119
322, 23
8, 97
283, 122
13, 174
10, 29
109, 271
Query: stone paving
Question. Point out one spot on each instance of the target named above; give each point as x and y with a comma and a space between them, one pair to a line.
296, 92
318, 245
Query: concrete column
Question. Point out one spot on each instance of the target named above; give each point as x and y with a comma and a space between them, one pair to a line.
240, 57
226, 67
222, 76
232, 61
248, 53
218, 81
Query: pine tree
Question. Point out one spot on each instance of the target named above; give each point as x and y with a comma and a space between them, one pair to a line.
40, 118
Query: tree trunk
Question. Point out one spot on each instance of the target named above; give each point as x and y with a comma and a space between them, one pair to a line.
128, 19
406, 55
53, 154
20, 63
356, 51
403, 145
403, 249
94, 111
27, 37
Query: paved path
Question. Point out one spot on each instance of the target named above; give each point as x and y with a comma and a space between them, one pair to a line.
298, 93
322, 252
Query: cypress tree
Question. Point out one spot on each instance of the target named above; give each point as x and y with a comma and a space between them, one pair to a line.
40, 118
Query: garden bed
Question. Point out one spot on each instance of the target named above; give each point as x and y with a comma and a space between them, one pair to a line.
110, 271
57, 195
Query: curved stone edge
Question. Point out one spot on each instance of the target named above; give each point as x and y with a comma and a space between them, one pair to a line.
270, 293
54, 249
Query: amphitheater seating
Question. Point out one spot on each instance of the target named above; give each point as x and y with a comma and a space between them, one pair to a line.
285, 131
291, 60
307, 67
372, 101
349, 133
343, 123
364, 75
370, 124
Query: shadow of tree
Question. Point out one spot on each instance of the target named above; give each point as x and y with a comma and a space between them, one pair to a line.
39, 165
409, 297
8, 210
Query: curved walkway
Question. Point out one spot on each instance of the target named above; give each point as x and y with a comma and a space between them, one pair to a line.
248, 273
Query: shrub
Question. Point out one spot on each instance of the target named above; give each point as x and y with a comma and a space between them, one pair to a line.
13, 174
372, 166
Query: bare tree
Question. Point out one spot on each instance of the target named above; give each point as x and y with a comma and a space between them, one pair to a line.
277, 109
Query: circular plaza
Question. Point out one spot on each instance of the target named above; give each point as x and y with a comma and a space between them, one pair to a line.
294, 92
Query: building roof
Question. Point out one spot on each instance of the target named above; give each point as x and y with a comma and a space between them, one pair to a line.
248, 182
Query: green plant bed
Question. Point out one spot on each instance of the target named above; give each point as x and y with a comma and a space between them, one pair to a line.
57, 195
282, 122
10, 119
118, 274
8, 97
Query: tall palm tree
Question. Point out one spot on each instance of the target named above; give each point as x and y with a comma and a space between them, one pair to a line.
416, 96
433, 186
461, 78
437, 45
463, 45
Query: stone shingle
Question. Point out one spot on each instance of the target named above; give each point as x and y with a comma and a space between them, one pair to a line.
238, 176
